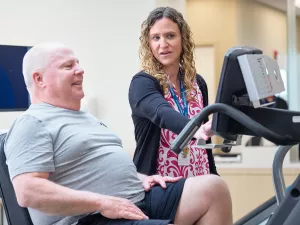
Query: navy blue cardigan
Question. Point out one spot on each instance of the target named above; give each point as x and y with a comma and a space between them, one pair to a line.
150, 113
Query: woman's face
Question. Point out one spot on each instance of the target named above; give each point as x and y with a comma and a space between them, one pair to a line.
165, 42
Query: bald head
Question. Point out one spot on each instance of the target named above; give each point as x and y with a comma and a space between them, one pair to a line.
53, 75
37, 59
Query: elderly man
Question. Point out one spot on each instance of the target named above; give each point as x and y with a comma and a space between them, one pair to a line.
67, 168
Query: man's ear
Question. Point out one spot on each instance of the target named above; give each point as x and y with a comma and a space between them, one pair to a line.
38, 79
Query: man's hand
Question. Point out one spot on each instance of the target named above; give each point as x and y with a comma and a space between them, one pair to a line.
119, 208
204, 131
150, 181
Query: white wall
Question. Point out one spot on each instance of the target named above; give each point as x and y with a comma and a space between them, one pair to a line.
103, 33
179, 5
261, 26
205, 66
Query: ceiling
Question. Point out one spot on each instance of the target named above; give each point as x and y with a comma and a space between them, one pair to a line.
278, 4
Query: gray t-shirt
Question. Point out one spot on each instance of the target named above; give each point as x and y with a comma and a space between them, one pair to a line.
76, 149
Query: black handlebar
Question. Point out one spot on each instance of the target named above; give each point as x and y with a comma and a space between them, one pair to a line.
190, 129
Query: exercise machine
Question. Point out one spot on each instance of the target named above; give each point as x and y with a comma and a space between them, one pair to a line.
248, 77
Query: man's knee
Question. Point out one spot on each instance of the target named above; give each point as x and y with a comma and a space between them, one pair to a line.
211, 186
204, 193
215, 182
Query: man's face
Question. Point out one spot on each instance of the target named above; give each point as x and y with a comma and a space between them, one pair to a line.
63, 77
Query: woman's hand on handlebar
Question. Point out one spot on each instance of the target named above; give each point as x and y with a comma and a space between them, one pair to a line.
204, 132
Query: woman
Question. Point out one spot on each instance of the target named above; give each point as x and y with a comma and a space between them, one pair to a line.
165, 95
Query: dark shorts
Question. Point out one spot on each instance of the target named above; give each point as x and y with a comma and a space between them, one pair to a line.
160, 205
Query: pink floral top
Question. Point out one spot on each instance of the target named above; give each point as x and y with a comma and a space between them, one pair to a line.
167, 164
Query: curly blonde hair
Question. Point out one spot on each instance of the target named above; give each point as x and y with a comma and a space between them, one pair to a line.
152, 66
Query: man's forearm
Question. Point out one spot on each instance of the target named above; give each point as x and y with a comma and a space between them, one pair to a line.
50, 198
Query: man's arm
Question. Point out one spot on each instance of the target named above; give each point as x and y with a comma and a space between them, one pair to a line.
34, 190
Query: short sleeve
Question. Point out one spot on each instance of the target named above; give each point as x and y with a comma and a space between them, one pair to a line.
28, 147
